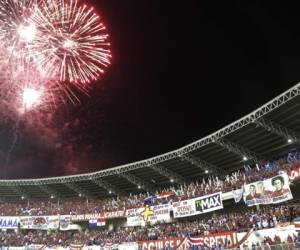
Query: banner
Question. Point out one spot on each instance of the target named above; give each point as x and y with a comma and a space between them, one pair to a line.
270, 191
173, 243
65, 223
128, 246
238, 194
297, 223
151, 214
39, 222
106, 215
9, 222
198, 205
226, 238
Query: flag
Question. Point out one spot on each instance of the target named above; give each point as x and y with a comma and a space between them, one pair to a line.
164, 195
297, 223
257, 167
161, 195
76, 246
150, 198
93, 223
100, 222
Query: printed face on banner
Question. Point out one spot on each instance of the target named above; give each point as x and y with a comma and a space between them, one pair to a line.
269, 191
39, 222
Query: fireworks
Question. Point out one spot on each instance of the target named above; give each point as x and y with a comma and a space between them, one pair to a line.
49, 45
30, 97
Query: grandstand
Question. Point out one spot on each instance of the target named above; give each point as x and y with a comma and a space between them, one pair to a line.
233, 189
267, 133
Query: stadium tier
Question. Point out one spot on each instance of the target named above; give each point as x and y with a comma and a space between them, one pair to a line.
234, 189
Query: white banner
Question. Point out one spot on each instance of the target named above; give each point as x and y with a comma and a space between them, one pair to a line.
270, 191
65, 223
39, 222
198, 205
9, 222
106, 215
152, 214
128, 246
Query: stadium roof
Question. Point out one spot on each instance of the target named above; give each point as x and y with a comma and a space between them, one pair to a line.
265, 134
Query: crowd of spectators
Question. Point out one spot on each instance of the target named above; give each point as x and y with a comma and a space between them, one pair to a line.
266, 217
209, 185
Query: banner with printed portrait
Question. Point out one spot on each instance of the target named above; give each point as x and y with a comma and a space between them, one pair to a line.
200, 205
270, 191
65, 223
39, 222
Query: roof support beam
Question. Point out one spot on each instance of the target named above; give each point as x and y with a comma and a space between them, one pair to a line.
174, 177
272, 105
20, 191
141, 184
204, 165
106, 185
289, 135
46, 189
245, 153
81, 192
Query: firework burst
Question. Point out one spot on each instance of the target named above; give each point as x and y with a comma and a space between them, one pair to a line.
49, 45
75, 45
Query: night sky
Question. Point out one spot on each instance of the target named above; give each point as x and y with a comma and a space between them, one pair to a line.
180, 70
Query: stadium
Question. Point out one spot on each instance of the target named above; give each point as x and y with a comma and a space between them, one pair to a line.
196, 196
60, 185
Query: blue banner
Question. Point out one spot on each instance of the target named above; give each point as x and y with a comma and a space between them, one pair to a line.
9, 222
